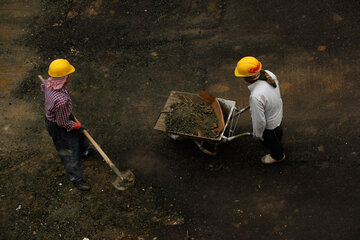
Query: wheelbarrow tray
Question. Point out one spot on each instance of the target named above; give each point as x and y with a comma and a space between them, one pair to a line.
227, 108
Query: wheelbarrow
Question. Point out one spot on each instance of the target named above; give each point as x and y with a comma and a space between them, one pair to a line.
226, 111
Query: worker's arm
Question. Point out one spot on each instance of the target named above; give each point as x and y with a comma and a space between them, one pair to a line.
257, 108
63, 112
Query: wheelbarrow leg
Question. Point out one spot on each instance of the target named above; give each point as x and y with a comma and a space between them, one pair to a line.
200, 144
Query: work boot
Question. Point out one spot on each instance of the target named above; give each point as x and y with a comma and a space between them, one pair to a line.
82, 185
267, 159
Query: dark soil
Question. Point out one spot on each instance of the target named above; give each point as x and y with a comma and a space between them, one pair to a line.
128, 56
192, 116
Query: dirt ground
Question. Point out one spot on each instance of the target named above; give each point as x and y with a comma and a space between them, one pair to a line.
128, 56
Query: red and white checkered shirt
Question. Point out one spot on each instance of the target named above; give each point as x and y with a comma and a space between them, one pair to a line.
58, 107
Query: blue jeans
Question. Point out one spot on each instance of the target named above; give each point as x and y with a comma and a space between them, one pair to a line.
69, 146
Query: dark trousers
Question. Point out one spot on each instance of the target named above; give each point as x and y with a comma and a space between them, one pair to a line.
272, 140
69, 146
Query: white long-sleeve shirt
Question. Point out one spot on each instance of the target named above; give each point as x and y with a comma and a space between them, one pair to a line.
266, 105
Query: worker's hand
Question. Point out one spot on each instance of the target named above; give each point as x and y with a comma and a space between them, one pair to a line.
82, 128
79, 126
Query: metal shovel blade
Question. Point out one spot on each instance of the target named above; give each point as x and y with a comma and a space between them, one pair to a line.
124, 181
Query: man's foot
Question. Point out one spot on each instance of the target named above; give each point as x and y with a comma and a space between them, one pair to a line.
267, 159
82, 185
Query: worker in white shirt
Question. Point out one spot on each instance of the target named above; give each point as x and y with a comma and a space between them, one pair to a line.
266, 106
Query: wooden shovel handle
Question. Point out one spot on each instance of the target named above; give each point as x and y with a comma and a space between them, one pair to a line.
41, 78
102, 153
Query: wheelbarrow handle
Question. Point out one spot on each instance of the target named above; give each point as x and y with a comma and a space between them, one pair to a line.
240, 111
228, 139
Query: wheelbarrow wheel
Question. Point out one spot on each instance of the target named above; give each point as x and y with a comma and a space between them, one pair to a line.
207, 148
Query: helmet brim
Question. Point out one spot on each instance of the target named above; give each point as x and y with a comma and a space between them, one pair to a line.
71, 70
237, 74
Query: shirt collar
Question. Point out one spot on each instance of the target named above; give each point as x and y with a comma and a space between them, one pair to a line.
252, 86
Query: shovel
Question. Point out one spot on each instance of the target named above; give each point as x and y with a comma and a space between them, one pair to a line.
124, 179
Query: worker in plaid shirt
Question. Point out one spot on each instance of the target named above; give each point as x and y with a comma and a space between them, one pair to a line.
67, 135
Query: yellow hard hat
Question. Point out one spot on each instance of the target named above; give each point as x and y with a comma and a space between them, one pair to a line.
60, 68
247, 66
